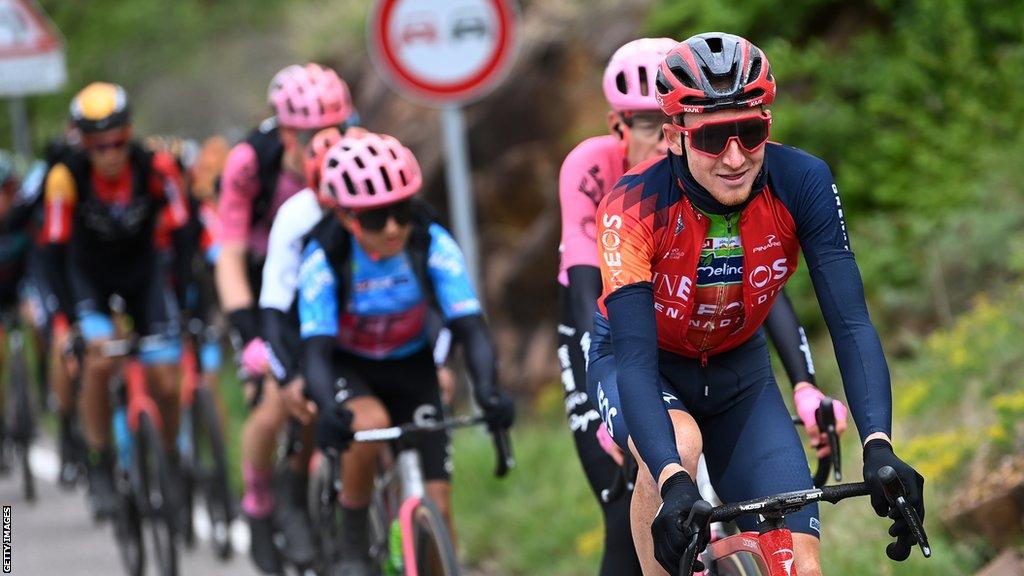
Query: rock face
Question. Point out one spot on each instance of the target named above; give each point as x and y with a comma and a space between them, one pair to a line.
518, 137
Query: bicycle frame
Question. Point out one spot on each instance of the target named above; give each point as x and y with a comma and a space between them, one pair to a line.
772, 550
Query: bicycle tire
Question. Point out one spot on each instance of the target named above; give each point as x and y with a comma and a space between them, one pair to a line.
23, 423
325, 514
154, 490
187, 469
211, 469
432, 544
131, 547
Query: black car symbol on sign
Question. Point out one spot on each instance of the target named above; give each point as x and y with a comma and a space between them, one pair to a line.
469, 24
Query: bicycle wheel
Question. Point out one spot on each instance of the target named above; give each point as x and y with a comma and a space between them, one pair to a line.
211, 470
22, 420
325, 515
156, 496
432, 545
186, 454
128, 530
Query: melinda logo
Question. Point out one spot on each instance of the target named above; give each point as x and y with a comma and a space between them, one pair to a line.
770, 241
728, 270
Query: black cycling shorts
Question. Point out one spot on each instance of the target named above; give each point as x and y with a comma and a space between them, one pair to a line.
409, 390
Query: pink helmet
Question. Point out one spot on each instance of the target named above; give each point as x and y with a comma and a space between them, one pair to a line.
368, 172
313, 155
309, 97
629, 77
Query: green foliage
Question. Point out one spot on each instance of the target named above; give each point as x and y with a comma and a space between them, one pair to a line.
915, 107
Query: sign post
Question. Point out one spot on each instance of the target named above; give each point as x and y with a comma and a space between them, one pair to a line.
445, 54
31, 62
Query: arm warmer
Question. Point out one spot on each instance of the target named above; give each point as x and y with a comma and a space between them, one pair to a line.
584, 289
790, 341
481, 359
635, 342
282, 337
317, 352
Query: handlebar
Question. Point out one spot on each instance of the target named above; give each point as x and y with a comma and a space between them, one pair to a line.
776, 507
502, 440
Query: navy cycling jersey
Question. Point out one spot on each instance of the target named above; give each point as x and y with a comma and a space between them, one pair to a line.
385, 313
651, 235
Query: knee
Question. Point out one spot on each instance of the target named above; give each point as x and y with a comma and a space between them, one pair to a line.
368, 413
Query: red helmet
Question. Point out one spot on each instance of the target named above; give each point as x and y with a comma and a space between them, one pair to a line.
714, 71
313, 158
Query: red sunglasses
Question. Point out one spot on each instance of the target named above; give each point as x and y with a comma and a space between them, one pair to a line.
712, 138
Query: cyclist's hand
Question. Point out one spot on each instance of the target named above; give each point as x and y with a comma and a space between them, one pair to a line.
296, 403
608, 444
669, 530
807, 398
334, 429
878, 453
499, 410
254, 361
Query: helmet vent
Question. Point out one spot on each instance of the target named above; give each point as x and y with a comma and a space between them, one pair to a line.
645, 88
755, 69
349, 185
370, 190
678, 69
393, 153
359, 162
333, 163
387, 179
620, 83
714, 44
401, 175
661, 84
373, 151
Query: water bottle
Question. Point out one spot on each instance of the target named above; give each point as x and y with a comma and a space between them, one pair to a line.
123, 438
394, 566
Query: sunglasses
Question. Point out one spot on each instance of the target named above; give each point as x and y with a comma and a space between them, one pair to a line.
645, 124
376, 219
712, 138
106, 146
306, 136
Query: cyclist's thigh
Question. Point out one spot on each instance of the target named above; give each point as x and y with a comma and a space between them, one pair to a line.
753, 450
410, 392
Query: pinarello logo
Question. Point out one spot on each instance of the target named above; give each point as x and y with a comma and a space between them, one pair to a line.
785, 559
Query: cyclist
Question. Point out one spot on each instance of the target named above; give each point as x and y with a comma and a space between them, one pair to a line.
589, 171
367, 279
259, 175
677, 354
102, 203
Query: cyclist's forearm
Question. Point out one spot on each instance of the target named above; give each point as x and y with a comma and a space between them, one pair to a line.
277, 329
635, 341
790, 341
317, 352
857, 345
232, 281
481, 359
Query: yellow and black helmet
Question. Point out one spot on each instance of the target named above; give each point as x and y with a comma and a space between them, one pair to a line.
100, 106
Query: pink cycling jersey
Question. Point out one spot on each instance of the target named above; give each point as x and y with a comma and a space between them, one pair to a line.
589, 172
239, 189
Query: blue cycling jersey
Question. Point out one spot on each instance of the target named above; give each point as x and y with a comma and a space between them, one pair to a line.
384, 315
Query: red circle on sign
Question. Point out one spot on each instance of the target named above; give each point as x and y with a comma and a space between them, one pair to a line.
457, 91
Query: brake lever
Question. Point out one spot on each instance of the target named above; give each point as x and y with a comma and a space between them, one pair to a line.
826, 418
896, 494
700, 515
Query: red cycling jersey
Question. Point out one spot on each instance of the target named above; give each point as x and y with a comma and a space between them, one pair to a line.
648, 231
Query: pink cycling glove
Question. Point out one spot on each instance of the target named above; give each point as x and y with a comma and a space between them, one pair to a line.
806, 400
254, 358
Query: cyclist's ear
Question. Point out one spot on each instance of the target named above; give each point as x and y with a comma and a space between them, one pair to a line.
615, 125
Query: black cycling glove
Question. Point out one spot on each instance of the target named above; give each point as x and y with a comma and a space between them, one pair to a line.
498, 408
334, 428
670, 532
877, 454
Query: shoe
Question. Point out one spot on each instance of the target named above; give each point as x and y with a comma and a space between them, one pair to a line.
103, 498
294, 521
354, 543
262, 548
70, 457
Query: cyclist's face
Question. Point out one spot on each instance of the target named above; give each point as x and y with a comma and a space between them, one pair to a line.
728, 177
108, 151
383, 243
645, 136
